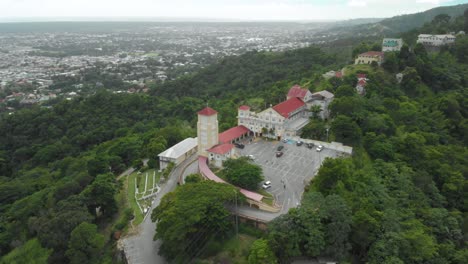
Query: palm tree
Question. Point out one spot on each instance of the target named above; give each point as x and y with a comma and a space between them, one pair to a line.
315, 110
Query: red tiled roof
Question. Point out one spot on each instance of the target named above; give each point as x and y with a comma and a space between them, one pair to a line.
207, 111
244, 107
362, 82
205, 171
361, 76
297, 91
232, 133
288, 106
338, 74
372, 53
221, 148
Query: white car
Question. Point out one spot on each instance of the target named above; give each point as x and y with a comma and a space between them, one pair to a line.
319, 148
266, 185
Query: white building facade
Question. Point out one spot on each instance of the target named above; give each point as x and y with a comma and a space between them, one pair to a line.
436, 40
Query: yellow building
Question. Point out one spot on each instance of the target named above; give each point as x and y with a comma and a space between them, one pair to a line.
369, 57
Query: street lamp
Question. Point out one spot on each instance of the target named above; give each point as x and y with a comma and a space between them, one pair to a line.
327, 132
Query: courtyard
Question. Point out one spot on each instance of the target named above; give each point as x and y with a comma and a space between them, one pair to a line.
291, 172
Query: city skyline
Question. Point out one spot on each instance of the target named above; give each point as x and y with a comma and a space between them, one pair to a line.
237, 10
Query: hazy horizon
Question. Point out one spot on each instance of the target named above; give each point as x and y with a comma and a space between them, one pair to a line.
210, 10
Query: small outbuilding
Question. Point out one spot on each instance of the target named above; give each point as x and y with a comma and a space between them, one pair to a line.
178, 153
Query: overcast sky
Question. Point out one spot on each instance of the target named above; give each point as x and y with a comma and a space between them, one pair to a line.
218, 9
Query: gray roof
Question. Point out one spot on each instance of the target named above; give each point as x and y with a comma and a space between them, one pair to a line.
324, 93
180, 148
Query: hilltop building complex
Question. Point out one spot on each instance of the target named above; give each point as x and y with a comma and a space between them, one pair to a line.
285, 119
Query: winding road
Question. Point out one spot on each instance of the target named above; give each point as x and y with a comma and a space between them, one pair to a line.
139, 245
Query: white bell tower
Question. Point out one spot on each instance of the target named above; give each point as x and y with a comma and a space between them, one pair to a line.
207, 130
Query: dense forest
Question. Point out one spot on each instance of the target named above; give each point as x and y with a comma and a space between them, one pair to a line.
59, 163
401, 197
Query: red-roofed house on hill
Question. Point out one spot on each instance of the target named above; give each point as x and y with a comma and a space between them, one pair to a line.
302, 93
369, 57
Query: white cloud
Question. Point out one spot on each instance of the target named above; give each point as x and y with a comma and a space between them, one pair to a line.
358, 3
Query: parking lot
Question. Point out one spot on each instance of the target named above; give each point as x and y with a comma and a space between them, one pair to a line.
290, 172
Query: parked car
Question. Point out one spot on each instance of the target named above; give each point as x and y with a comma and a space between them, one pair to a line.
310, 145
299, 143
285, 141
319, 148
266, 185
279, 154
252, 157
239, 145
280, 147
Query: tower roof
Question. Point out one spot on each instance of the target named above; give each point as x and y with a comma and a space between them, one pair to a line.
207, 111
244, 107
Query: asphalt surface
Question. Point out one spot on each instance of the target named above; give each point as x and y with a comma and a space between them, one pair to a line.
140, 247
289, 174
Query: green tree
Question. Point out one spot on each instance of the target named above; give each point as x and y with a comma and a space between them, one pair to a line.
31, 252
315, 110
100, 194
190, 216
466, 19
346, 130
241, 172
85, 244
260, 253
331, 173
193, 178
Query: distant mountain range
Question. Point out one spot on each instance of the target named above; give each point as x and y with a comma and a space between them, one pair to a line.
394, 25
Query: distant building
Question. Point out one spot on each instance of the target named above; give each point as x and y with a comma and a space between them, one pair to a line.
391, 44
178, 153
331, 74
369, 57
436, 40
361, 84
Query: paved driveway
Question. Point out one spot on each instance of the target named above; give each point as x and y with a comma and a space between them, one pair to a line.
140, 247
289, 173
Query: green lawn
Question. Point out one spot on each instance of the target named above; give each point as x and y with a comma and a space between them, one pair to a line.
151, 54
356, 68
141, 188
268, 197
131, 198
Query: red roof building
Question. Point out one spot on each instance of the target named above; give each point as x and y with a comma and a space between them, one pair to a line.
297, 91
244, 107
207, 111
362, 83
232, 134
339, 74
221, 149
289, 106
372, 54
361, 76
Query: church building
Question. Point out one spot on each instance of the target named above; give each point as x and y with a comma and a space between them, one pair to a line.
214, 146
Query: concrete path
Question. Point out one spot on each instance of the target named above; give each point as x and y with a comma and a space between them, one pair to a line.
140, 247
